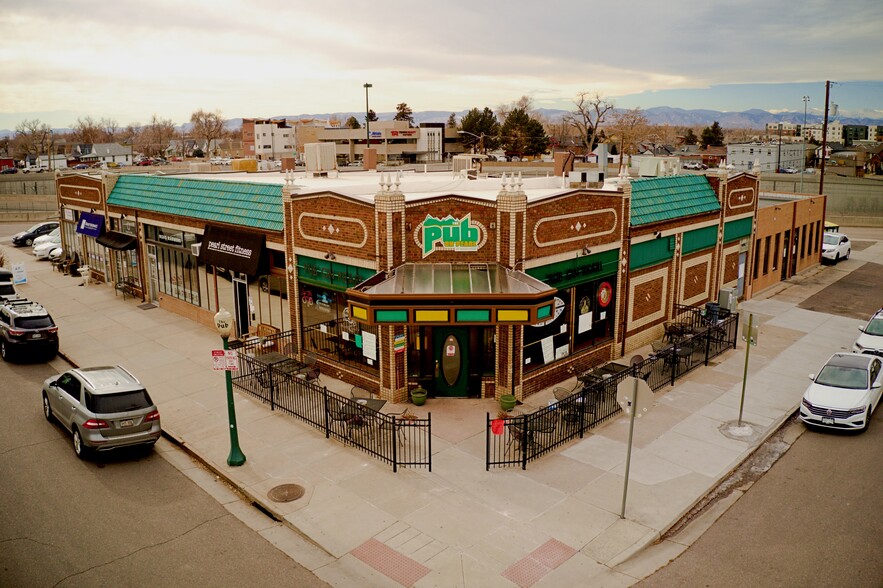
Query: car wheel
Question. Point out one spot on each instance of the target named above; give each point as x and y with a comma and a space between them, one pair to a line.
5, 351
836, 259
29, 242
867, 419
79, 447
47, 410
848, 251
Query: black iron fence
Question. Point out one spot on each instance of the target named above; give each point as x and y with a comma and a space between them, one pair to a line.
400, 440
516, 440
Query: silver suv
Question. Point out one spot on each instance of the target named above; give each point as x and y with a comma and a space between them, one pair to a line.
104, 408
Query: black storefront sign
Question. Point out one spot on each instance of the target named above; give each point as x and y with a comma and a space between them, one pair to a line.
232, 250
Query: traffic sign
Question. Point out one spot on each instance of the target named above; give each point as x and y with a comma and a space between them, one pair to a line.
634, 392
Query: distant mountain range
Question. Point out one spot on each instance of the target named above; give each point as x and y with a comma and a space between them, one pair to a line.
659, 115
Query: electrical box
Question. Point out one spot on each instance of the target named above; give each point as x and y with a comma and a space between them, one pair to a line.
727, 299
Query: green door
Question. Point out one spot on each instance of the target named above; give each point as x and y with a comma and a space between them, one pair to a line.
451, 345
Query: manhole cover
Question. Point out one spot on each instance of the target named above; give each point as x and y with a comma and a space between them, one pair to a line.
285, 493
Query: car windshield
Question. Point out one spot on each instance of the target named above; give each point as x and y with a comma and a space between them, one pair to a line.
875, 327
34, 228
7, 289
843, 377
830, 239
122, 402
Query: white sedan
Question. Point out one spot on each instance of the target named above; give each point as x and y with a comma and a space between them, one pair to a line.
845, 393
835, 246
42, 250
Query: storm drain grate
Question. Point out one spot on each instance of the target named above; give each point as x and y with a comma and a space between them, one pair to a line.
285, 493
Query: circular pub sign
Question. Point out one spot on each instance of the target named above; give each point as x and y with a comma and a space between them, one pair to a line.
605, 294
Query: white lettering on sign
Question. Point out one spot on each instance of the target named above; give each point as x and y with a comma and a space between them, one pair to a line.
84, 224
230, 249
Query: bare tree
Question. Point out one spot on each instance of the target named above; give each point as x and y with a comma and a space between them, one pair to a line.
524, 103
592, 109
208, 126
626, 129
32, 137
86, 130
110, 128
155, 136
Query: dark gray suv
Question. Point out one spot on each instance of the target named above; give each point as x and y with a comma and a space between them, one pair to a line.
26, 329
103, 407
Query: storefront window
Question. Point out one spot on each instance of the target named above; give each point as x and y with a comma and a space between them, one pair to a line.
549, 341
177, 268
595, 302
329, 331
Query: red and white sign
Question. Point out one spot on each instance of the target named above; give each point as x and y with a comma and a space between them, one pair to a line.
224, 360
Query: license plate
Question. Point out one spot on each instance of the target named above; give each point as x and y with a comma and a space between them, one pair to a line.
827, 421
127, 423
37, 336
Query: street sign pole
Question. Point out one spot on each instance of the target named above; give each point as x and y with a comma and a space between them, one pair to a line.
749, 335
628, 456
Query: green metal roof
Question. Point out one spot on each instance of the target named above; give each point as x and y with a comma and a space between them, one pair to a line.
660, 199
237, 203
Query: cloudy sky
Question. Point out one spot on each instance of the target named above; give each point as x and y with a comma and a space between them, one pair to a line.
128, 60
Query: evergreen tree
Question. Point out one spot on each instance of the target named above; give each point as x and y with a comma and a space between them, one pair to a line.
371, 116
712, 136
353, 123
690, 137
481, 130
404, 112
452, 121
522, 135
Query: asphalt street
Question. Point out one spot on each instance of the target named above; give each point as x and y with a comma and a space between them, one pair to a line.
123, 519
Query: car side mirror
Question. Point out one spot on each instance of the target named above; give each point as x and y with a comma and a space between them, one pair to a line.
861, 328
812, 376
53, 384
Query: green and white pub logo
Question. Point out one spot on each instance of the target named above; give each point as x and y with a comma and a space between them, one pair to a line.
452, 234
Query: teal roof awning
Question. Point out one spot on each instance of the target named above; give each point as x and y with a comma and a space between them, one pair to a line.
246, 204
662, 199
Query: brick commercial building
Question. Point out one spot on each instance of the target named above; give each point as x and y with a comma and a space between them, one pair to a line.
466, 287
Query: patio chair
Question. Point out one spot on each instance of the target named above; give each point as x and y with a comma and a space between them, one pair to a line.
312, 374
561, 393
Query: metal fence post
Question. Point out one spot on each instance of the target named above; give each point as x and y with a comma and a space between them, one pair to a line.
325, 403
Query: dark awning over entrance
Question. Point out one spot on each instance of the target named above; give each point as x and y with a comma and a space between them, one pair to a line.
118, 241
232, 250
90, 224
451, 294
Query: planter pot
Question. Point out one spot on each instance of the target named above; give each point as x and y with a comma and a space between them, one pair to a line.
418, 396
507, 402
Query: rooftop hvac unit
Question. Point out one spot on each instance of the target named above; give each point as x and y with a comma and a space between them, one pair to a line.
320, 157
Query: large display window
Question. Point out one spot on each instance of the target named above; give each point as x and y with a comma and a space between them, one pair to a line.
582, 318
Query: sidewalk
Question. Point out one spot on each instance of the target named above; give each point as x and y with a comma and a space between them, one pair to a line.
556, 524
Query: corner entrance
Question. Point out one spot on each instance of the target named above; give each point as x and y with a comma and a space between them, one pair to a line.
451, 345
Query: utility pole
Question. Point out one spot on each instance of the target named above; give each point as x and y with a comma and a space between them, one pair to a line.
803, 133
824, 139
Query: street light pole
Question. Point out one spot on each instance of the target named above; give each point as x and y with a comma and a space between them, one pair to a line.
480, 140
367, 121
224, 324
803, 133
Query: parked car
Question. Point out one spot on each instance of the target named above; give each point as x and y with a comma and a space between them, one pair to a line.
835, 246
145, 161
26, 327
7, 284
9, 170
26, 238
54, 234
790, 170
871, 339
56, 254
845, 392
103, 408
81, 166
42, 250
112, 165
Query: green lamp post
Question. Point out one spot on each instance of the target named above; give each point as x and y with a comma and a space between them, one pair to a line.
224, 324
